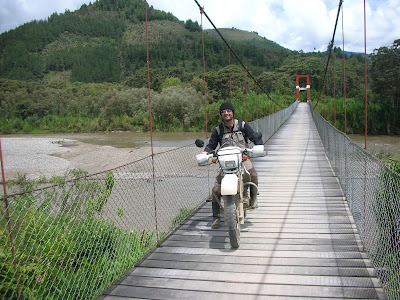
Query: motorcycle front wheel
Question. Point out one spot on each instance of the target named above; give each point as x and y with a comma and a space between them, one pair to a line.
232, 211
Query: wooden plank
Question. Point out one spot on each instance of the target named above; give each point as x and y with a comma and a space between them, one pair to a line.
154, 292
265, 278
259, 246
247, 240
259, 269
278, 261
199, 224
256, 254
238, 290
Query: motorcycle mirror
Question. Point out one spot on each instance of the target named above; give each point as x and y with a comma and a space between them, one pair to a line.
257, 135
199, 143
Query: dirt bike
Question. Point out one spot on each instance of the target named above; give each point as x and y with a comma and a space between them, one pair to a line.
235, 183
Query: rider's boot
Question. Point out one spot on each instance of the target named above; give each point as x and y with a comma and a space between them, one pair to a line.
253, 199
216, 218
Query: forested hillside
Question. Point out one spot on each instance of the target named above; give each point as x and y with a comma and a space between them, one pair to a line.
85, 70
105, 42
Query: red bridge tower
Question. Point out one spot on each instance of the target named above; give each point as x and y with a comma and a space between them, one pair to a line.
307, 88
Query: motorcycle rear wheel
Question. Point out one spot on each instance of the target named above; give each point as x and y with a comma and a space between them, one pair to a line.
232, 211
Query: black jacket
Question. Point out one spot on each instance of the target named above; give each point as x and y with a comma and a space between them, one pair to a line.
215, 137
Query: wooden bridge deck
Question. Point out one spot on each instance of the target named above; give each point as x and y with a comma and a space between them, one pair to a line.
300, 243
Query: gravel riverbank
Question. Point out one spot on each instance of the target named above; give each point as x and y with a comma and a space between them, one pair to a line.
39, 156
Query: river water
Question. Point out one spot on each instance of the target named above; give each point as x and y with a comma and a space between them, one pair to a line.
378, 144
125, 139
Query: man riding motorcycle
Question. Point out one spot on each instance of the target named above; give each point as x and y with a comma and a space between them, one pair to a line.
231, 132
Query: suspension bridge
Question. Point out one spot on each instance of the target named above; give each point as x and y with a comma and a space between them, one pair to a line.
327, 225
302, 241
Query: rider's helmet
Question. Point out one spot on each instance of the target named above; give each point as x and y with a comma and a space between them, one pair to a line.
226, 105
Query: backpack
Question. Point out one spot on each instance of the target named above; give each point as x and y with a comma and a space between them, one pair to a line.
220, 130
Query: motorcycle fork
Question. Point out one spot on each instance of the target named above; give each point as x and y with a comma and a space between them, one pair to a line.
240, 200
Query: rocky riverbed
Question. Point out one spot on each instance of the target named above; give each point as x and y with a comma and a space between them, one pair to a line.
42, 156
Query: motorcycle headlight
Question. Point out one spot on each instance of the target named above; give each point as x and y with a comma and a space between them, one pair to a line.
230, 164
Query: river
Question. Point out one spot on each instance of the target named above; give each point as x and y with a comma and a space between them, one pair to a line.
378, 144
375, 143
120, 139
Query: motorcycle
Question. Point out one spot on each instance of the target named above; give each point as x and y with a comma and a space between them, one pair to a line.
235, 182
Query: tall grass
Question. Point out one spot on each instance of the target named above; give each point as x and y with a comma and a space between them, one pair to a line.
70, 252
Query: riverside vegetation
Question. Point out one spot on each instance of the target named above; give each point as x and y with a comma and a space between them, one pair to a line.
87, 252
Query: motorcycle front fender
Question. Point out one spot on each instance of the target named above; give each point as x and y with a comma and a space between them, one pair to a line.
229, 185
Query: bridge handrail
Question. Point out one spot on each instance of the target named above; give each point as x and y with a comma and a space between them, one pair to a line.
73, 239
372, 191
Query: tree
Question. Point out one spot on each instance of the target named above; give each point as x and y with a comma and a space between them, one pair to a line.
192, 26
97, 64
171, 81
385, 78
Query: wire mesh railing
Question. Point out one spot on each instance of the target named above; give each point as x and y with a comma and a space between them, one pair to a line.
74, 239
372, 191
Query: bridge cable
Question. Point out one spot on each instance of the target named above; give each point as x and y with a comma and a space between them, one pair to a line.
204, 70
365, 75
246, 91
230, 76
330, 46
151, 125
344, 77
327, 92
334, 89
205, 93
255, 89
234, 53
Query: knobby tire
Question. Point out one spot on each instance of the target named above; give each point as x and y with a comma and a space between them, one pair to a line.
233, 221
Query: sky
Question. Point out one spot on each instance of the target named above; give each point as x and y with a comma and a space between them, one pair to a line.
293, 24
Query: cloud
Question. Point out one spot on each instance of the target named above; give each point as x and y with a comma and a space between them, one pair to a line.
296, 25
14, 13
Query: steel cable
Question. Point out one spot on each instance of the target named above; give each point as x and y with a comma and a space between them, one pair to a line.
234, 53
330, 46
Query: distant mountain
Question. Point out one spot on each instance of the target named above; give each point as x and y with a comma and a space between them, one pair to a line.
105, 42
349, 54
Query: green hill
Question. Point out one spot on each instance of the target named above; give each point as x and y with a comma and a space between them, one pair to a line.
105, 42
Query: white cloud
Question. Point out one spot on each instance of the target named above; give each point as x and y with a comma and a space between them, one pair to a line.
14, 13
297, 25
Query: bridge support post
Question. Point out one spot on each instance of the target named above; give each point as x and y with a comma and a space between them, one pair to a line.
307, 88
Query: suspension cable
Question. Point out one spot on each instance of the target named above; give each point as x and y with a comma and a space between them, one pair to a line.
234, 53
334, 89
344, 76
246, 92
327, 93
330, 46
204, 70
205, 92
365, 76
230, 76
151, 124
